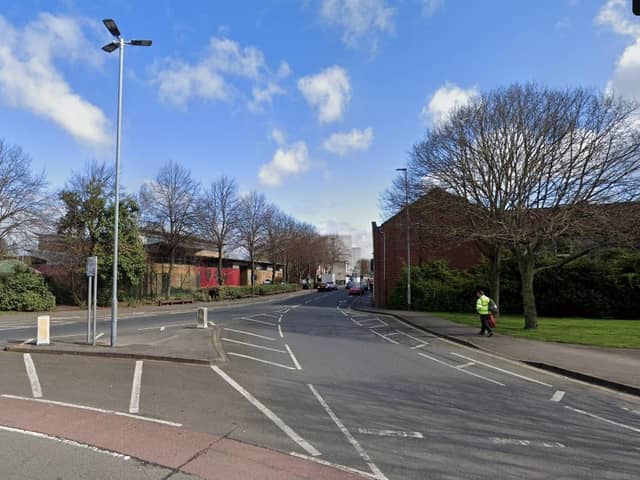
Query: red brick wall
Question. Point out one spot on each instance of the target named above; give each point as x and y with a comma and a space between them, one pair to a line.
428, 243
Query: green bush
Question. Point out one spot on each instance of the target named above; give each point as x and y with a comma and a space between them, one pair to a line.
606, 285
25, 291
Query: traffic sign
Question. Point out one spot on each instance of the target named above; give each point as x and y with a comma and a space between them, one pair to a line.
92, 266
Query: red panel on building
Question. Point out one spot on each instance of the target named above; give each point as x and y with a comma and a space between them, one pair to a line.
209, 276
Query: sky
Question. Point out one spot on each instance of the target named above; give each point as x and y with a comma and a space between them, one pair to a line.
315, 103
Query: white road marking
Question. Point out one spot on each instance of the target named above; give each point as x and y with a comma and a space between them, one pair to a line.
508, 372
211, 324
389, 433
363, 454
280, 331
310, 449
162, 329
226, 329
64, 441
355, 321
633, 429
94, 409
390, 334
557, 396
260, 360
293, 357
33, 376
29, 340
419, 340
526, 443
465, 365
253, 345
334, 465
167, 326
100, 335
280, 319
268, 315
258, 321
637, 412
369, 320
457, 369
419, 346
391, 340
134, 402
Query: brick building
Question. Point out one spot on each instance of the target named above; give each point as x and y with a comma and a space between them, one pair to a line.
428, 218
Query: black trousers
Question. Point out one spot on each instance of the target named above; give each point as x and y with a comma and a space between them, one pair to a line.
484, 320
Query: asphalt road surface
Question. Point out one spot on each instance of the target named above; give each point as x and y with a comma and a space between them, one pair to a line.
313, 377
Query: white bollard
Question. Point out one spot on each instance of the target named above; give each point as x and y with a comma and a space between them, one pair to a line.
43, 330
203, 321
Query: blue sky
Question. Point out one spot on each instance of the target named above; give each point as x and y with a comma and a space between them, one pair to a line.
315, 103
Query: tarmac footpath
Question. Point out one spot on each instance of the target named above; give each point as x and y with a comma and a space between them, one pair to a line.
178, 449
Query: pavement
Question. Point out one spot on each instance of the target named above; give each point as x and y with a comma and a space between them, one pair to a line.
312, 388
617, 368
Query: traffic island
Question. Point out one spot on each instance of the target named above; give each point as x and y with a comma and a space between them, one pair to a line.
182, 345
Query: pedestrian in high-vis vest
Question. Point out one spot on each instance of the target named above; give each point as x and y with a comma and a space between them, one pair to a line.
482, 307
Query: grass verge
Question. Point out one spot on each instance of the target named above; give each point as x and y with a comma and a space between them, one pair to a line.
584, 331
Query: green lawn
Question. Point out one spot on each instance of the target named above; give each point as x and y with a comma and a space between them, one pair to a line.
603, 333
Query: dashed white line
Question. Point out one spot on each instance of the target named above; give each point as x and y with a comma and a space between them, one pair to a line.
100, 335
280, 331
526, 443
167, 326
33, 376
275, 364
293, 357
310, 449
391, 340
134, 402
361, 451
508, 372
94, 409
557, 396
633, 429
355, 321
64, 441
419, 340
253, 345
226, 329
459, 370
390, 433
419, 346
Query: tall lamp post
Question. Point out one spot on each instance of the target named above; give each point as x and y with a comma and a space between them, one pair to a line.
406, 208
118, 42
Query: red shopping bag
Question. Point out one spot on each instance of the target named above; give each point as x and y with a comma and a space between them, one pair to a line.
492, 321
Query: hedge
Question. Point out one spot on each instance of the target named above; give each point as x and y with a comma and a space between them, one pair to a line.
600, 286
25, 291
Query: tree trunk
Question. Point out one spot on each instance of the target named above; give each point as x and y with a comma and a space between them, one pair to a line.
526, 264
220, 274
172, 260
496, 261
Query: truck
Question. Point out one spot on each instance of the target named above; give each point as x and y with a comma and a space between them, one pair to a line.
327, 282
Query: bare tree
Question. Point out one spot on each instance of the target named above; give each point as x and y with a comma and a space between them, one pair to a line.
251, 226
538, 167
168, 207
23, 197
218, 216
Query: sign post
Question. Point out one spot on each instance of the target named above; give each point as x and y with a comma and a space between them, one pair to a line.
92, 297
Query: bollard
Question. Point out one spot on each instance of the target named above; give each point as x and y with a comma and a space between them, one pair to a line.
43, 330
203, 321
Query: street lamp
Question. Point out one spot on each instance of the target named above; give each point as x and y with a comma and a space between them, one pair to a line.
118, 42
406, 207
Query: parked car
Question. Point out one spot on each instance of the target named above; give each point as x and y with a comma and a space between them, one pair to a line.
332, 286
355, 289
322, 287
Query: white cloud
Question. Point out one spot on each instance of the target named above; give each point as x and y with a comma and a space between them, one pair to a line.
343, 143
429, 7
446, 98
30, 79
361, 21
284, 70
328, 92
278, 136
179, 82
616, 15
287, 160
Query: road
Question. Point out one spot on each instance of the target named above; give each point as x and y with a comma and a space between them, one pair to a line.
313, 377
